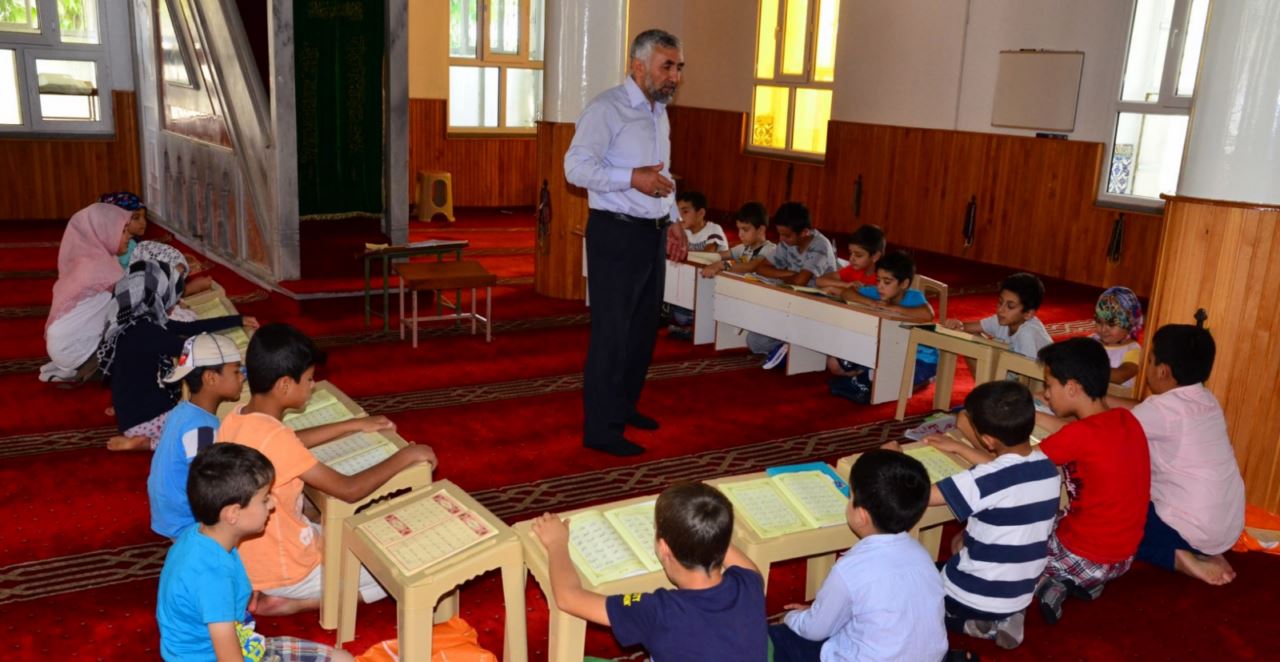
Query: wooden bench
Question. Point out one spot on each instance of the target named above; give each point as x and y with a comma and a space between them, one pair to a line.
437, 276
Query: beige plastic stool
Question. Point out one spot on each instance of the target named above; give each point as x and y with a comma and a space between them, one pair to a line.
435, 195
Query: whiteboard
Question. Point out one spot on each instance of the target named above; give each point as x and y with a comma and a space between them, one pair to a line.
1038, 90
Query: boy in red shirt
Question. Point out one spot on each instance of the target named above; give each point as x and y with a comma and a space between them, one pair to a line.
866, 247
1107, 468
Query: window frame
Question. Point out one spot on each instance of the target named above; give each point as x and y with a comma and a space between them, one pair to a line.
486, 58
48, 45
1168, 102
791, 82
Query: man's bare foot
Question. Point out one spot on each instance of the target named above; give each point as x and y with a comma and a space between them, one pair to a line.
271, 605
1212, 570
122, 443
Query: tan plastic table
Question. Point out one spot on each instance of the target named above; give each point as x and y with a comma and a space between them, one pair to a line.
981, 352
417, 594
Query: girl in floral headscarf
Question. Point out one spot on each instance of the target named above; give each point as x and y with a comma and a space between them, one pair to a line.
1117, 320
137, 220
141, 342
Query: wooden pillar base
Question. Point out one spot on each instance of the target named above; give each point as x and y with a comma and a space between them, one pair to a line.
557, 258
1224, 258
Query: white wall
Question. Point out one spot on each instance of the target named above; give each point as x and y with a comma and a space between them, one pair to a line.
719, 47
119, 42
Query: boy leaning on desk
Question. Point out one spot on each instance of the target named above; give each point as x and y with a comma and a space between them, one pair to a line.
716, 611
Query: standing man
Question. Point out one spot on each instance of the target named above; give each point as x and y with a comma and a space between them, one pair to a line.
620, 153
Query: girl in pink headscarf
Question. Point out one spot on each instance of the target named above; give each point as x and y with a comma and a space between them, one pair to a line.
88, 268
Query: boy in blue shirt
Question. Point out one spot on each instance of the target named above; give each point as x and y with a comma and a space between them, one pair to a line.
203, 604
892, 294
883, 598
210, 367
717, 609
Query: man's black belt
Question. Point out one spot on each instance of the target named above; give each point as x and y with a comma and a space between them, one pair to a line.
628, 218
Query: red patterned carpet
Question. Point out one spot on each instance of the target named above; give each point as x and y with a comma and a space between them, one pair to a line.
78, 563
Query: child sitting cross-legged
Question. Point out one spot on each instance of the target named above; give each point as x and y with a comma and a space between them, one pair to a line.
716, 611
754, 248
210, 367
1010, 499
1117, 320
866, 247
1015, 321
203, 603
1107, 469
883, 598
285, 562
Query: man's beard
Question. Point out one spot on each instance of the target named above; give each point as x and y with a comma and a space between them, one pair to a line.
658, 94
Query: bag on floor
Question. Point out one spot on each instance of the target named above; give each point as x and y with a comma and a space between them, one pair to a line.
452, 641
1261, 532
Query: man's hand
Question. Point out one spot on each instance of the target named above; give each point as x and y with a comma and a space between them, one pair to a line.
677, 243
551, 530
649, 180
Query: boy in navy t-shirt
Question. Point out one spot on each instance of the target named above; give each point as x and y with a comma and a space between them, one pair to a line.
716, 611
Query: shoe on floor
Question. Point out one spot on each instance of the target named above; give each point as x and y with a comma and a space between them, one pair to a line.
1009, 631
677, 332
618, 447
1050, 595
641, 422
776, 356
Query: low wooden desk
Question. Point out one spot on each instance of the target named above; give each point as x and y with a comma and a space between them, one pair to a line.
982, 352
684, 286
567, 635
819, 546
437, 247
816, 327
437, 276
417, 594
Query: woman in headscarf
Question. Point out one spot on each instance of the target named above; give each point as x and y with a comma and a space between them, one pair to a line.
141, 342
88, 268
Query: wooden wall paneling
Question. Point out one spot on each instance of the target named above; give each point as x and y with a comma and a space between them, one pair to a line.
1139, 249
486, 171
48, 178
970, 166
558, 249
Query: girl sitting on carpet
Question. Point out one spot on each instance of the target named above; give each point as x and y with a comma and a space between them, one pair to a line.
1117, 319
87, 270
140, 344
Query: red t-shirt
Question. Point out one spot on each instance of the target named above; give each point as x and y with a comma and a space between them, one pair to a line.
1108, 473
850, 275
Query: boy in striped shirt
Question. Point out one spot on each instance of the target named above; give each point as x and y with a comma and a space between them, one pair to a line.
1010, 498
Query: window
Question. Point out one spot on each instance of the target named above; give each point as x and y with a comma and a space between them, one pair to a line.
1153, 109
495, 65
53, 68
795, 69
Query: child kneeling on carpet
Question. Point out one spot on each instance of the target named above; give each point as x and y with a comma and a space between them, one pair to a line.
883, 598
716, 611
285, 562
892, 293
203, 603
210, 367
1108, 474
1010, 499
1197, 495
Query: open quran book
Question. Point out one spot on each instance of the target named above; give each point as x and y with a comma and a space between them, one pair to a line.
322, 408
612, 544
209, 308
427, 530
938, 464
787, 503
355, 452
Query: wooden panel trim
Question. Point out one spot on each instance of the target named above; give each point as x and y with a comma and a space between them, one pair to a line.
1254, 206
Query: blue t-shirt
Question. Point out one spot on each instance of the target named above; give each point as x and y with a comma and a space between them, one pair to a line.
187, 429
911, 299
202, 583
724, 622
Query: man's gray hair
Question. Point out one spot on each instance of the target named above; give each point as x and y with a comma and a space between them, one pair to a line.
642, 46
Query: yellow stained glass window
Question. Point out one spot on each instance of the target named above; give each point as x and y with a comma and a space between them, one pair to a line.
813, 110
794, 38
824, 66
769, 117
767, 50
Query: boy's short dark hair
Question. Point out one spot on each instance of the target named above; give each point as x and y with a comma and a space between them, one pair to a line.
1002, 409
279, 350
753, 214
695, 199
696, 521
1081, 359
892, 487
225, 474
794, 216
1188, 351
868, 237
1028, 287
899, 264
195, 379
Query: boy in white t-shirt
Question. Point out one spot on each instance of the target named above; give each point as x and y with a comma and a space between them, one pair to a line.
1015, 322
703, 235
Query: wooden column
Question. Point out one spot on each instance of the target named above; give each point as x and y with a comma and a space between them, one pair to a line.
557, 258
1224, 257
